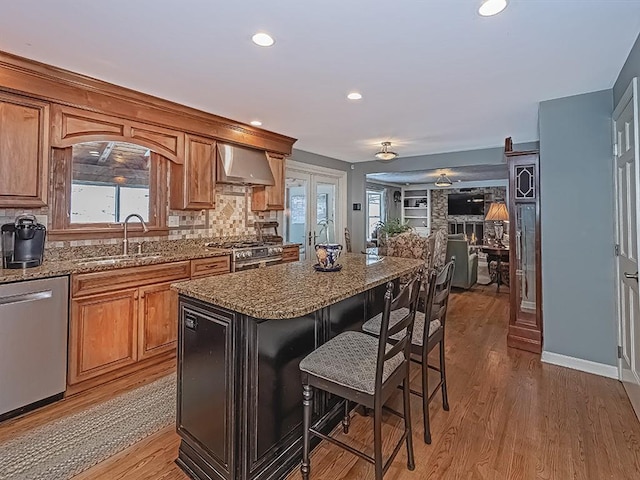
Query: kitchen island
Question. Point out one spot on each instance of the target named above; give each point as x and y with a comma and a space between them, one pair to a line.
241, 338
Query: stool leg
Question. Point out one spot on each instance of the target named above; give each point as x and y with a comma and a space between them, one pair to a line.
443, 377
425, 399
411, 465
307, 404
346, 420
377, 439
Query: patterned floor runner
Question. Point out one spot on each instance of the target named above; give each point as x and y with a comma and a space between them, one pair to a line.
67, 446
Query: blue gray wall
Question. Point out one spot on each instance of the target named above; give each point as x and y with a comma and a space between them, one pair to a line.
630, 69
577, 214
319, 160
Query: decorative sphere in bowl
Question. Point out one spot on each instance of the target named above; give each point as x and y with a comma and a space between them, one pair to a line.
328, 254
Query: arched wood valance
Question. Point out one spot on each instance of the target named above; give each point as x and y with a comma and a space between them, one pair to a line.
72, 125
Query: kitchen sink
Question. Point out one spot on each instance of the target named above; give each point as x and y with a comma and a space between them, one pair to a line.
115, 259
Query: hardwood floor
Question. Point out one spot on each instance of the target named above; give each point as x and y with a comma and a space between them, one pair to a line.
511, 417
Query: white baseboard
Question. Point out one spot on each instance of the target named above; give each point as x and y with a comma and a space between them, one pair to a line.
574, 363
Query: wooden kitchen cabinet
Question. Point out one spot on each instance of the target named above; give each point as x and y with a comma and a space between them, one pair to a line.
157, 330
122, 320
204, 267
290, 253
24, 151
71, 125
272, 197
102, 336
193, 184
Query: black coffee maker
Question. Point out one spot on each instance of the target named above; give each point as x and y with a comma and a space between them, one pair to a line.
22, 242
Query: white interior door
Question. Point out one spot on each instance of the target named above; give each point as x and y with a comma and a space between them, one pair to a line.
627, 188
313, 212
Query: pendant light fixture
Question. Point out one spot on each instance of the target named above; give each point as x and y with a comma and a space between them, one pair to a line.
384, 153
443, 181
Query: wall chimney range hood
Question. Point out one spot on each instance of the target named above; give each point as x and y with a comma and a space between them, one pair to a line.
243, 165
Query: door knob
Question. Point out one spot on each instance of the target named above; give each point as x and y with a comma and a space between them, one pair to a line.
631, 275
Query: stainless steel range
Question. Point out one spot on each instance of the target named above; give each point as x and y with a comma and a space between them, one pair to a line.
248, 255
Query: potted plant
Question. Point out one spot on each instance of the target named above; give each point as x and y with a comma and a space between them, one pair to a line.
391, 228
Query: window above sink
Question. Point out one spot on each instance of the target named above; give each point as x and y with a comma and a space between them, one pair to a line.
110, 180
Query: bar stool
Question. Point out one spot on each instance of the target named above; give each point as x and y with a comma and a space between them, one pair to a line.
362, 369
424, 339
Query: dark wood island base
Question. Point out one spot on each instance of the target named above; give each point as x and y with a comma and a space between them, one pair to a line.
239, 387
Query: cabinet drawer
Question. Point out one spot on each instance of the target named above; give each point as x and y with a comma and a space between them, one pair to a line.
98, 282
291, 254
210, 266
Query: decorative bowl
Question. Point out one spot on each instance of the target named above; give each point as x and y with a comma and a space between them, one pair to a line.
328, 254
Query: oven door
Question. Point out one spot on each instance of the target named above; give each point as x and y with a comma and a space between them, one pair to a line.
265, 262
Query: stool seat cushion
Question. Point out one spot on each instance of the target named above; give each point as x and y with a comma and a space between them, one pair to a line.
373, 325
350, 360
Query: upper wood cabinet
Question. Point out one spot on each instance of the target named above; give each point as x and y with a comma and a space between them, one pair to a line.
24, 150
72, 125
271, 198
193, 184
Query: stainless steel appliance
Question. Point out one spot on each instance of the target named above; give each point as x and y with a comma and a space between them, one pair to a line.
22, 242
33, 344
247, 255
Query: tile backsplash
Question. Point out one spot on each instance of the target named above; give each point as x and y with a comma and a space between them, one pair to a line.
231, 217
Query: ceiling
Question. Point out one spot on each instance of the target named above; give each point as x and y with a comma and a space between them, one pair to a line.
473, 173
435, 76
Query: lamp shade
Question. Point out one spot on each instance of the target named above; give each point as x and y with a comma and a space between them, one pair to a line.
497, 213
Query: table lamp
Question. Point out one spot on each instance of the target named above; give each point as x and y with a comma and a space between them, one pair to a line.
498, 214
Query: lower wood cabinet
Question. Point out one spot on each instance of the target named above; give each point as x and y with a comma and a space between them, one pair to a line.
290, 253
157, 330
102, 336
125, 320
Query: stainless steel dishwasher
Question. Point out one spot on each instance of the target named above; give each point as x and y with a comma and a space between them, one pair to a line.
33, 344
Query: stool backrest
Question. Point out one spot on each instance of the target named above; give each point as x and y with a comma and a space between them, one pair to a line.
437, 298
408, 294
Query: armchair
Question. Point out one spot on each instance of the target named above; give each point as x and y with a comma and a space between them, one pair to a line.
466, 272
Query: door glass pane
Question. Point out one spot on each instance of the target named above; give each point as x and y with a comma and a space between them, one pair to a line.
526, 259
374, 212
325, 213
297, 192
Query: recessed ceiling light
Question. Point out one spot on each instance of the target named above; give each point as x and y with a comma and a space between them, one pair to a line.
94, 153
255, 123
263, 39
354, 96
492, 7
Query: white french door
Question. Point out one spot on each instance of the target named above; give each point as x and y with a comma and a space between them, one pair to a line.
627, 190
314, 210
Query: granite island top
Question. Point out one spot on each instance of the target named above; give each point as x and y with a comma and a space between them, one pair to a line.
294, 289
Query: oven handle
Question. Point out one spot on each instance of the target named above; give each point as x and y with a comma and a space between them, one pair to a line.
269, 262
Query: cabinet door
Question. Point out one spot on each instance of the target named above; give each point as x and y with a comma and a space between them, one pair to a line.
157, 320
24, 150
102, 334
271, 198
193, 184
290, 253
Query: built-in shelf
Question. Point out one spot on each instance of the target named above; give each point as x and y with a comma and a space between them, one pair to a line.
415, 213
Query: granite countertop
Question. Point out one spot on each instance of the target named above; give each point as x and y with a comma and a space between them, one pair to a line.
294, 289
73, 260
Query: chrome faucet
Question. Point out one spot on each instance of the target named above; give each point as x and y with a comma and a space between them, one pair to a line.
125, 241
